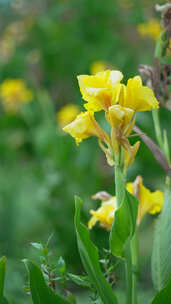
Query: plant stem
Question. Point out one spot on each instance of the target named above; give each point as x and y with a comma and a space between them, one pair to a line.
134, 254
157, 127
131, 265
128, 273
119, 184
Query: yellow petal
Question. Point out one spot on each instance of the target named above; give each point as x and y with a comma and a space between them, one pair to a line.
104, 214
149, 202
82, 127
97, 89
120, 117
139, 97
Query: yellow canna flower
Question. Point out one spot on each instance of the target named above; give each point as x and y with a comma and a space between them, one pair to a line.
137, 97
104, 214
98, 66
151, 29
85, 126
149, 202
67, 114
14, 94
120, 118
100, 90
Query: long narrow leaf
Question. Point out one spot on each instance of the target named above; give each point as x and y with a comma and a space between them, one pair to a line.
164, 296
161, 256
41, 293
90, 260
124, 224
2, 276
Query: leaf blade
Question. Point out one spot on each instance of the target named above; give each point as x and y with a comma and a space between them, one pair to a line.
89, 257
41, 293
2, 276
164, 296
161, 263
124, 224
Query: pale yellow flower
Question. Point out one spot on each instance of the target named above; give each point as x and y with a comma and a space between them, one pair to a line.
14, 93
151, 29
85, 126
100, 90
149, 202
67, 114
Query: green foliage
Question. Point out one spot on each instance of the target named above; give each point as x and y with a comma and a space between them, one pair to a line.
164, 296
124, 224
90, 259
41, 293
2, 276
161, 263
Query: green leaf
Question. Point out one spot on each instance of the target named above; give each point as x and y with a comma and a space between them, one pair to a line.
90, 259
164, 296
4, 301
124, 224
161, 255
79, 280
2, 276
41, 293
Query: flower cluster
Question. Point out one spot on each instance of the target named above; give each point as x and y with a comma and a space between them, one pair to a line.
105, 92
14, 93
149, 202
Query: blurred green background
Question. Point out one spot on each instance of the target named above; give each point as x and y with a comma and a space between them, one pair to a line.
47, 43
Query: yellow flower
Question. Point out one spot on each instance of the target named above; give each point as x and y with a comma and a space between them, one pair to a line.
151, 29
67, 114
98, 66
14, 94
137, 97
85, 126
120, 118
149, 202
100, 90
104, 214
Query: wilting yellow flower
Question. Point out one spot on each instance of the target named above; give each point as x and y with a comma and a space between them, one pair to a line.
85, 126
14, 94
151, 29
137, 97
100, 90
98, 66
67, 114
149, 202
104, 214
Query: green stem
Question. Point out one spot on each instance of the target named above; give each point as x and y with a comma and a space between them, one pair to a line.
131, 267
156, 121
128, 273
119, 184
134, 254
131, 247
161, 45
